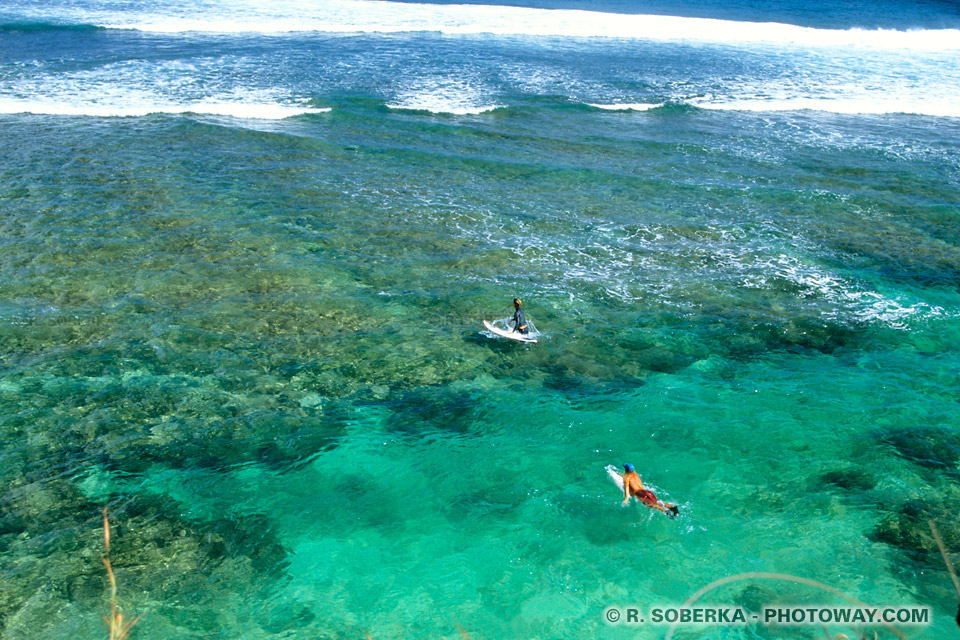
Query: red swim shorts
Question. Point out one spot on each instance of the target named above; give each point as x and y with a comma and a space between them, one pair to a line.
646, 496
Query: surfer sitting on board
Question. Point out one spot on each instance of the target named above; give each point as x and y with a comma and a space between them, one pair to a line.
519, 322
632, 486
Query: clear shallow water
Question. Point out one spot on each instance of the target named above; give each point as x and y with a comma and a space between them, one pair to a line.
257, 338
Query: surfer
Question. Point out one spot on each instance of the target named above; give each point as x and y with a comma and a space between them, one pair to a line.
633, 486
518, 320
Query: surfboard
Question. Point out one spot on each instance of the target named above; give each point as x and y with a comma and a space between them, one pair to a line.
617, 478
510, 335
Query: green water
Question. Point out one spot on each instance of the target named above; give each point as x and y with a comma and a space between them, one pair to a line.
262, 350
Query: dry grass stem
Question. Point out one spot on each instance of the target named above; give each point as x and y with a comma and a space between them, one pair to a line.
118, 626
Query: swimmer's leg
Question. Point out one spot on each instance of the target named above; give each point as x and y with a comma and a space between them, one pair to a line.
670, 509
650, 500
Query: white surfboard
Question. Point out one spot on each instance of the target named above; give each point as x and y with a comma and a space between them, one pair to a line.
618, 480
616, 477
511, 335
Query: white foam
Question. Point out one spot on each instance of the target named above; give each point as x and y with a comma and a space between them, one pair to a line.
136, 88
635, 106
857, 105
368, 16
251, 111
848, 298
433, 106
458, 97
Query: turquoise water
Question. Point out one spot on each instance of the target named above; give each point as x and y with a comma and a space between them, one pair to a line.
259, 340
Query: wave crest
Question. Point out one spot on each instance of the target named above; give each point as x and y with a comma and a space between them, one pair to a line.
369, 16
252, 111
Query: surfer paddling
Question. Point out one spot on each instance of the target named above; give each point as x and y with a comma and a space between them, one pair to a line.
518, 320
633, 486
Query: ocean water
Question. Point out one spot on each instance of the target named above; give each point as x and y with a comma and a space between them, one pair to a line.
247, 248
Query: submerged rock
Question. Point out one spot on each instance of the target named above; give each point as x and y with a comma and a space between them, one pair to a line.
848, 479
908, 529
422, 410
805, 333
53, 541
928, 446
